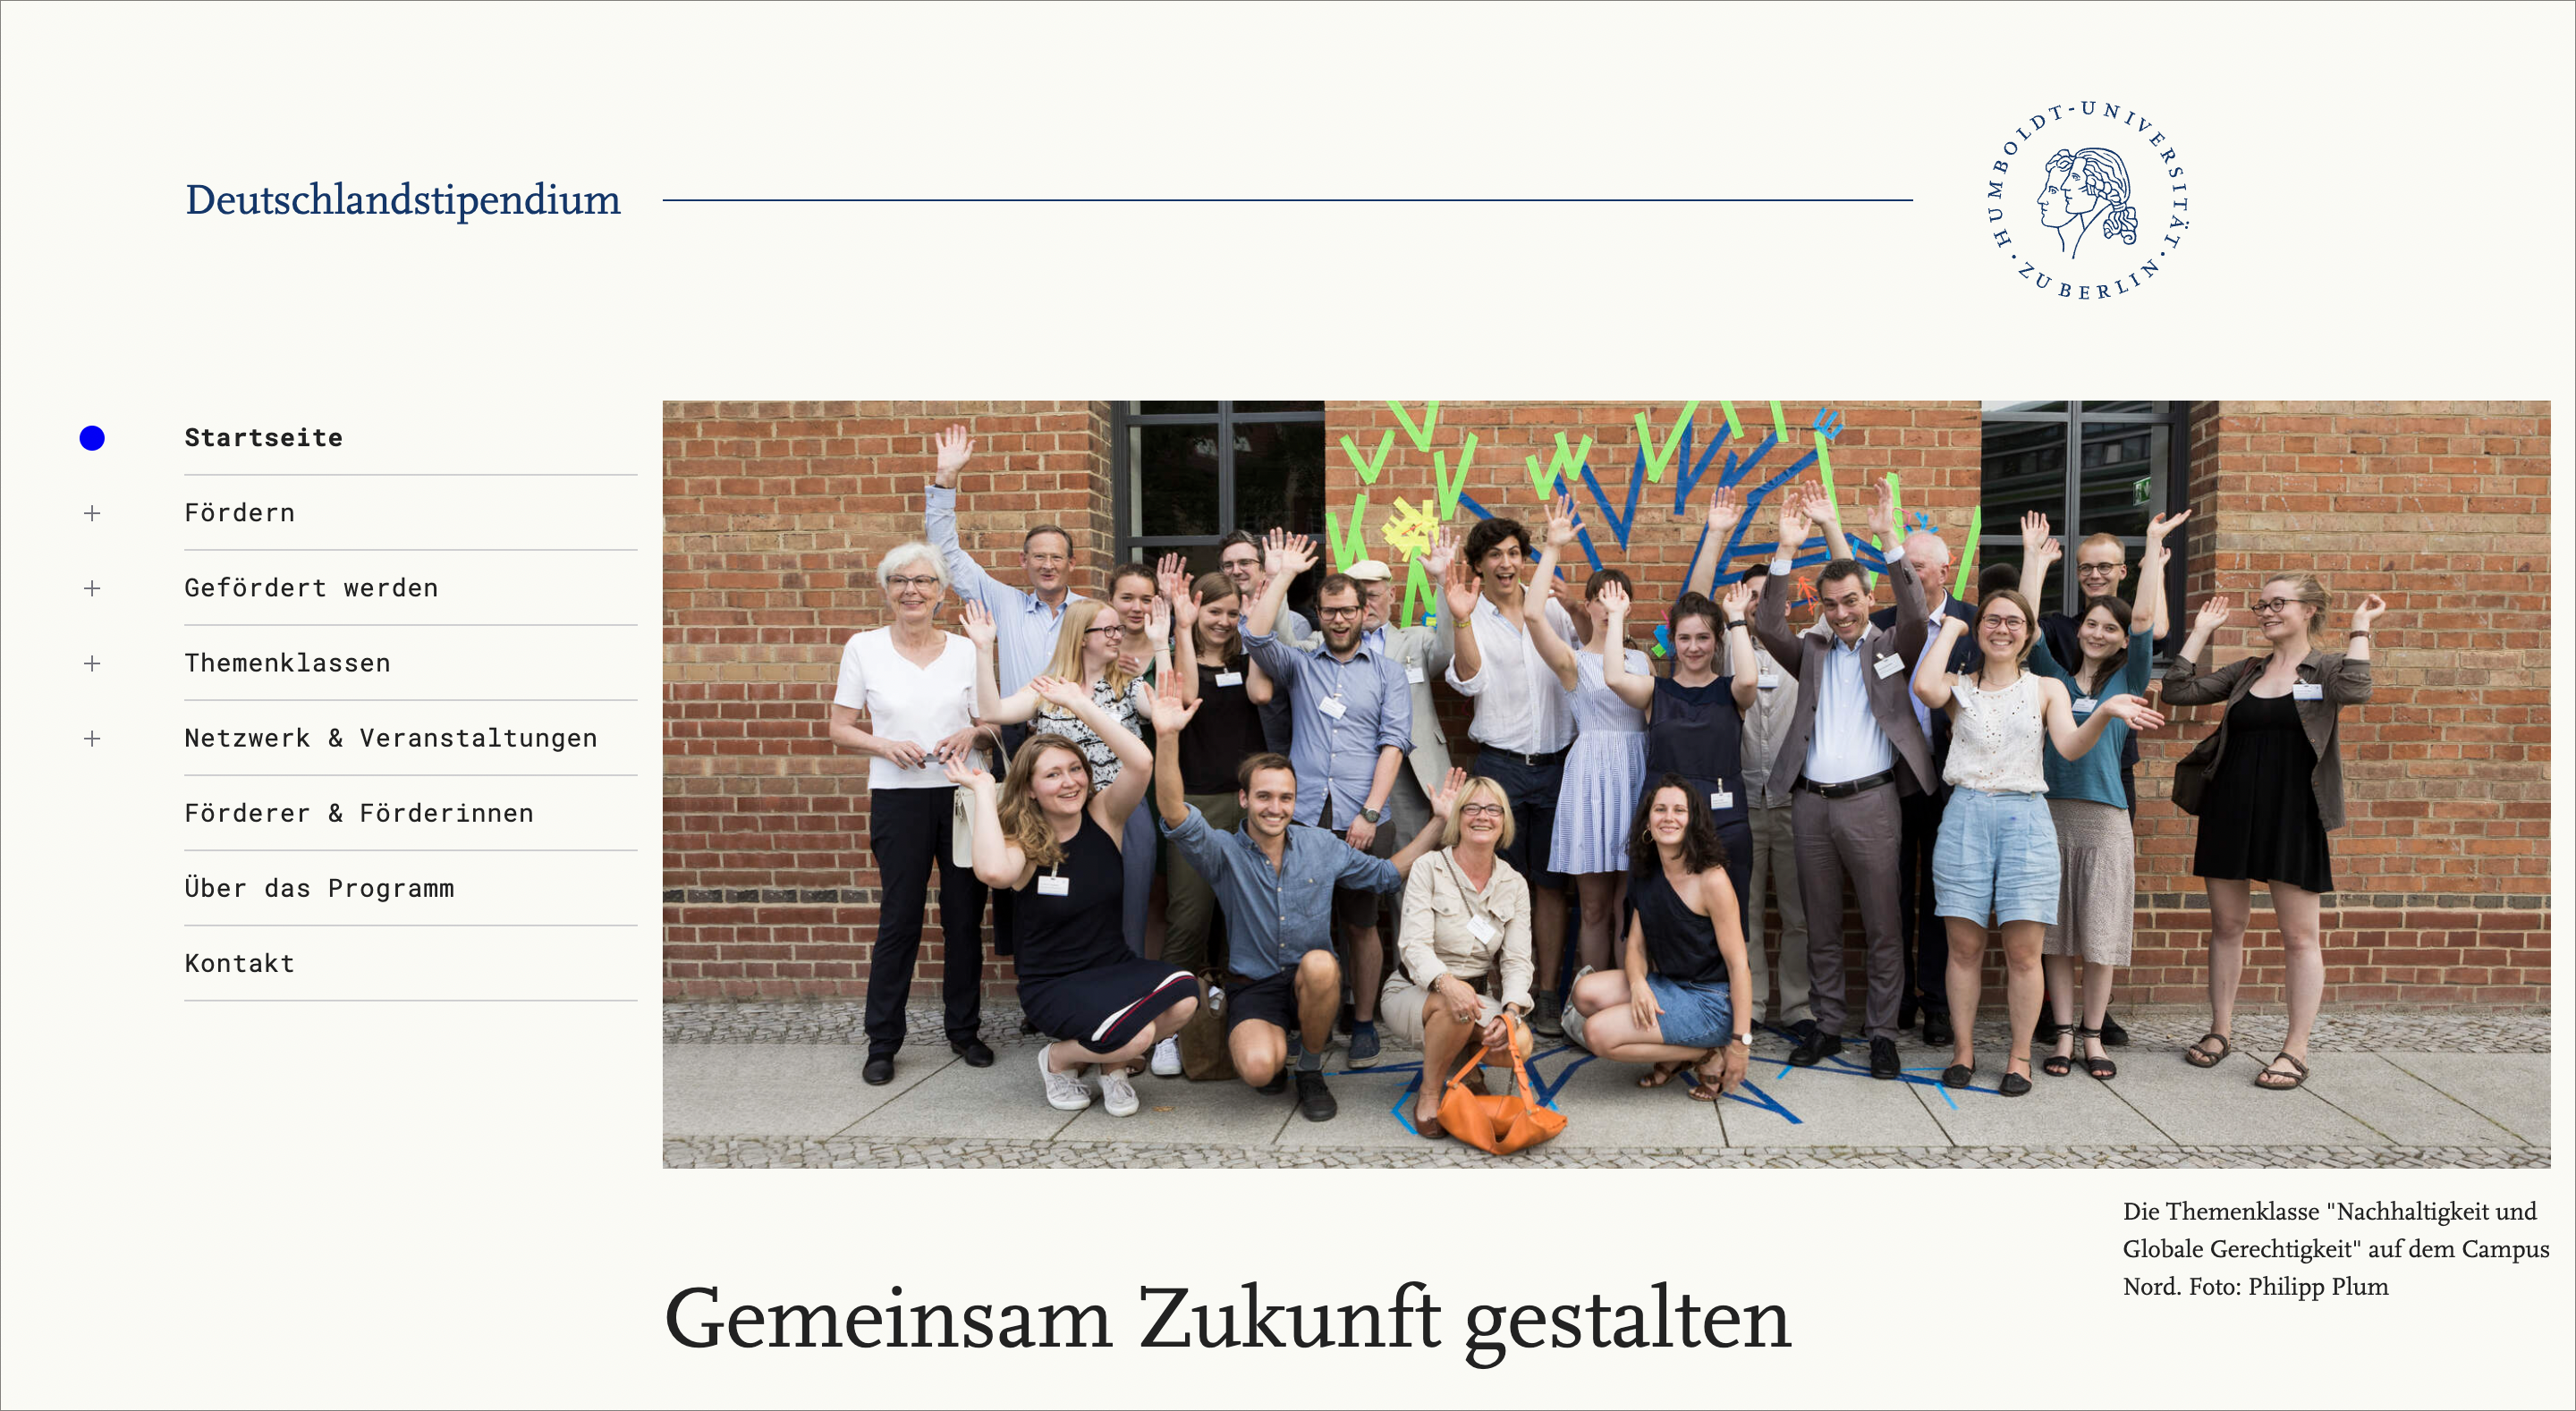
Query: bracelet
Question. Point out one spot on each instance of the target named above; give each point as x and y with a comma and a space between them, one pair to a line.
2358, 632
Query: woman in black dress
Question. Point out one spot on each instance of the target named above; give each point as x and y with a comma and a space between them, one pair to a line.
1695, 719
1055, 840
2267, 785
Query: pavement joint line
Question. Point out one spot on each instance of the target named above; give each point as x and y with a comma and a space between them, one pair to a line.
2541, 1143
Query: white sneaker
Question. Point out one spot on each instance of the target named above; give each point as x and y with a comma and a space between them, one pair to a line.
1116, 1093
1167, 1058
1066, 1092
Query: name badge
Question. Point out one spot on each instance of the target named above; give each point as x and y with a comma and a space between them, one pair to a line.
2308, 691
1888, 666
1055, 886
1480, 928
1332, 707
1768, 681
2084, 705
1415, 675
1722, 800
1229, 678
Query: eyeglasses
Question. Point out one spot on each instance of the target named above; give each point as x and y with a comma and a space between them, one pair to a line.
1113, 629
1334, 614
1481, 810
897, 585
2014, 623
2096, 570
2273, 606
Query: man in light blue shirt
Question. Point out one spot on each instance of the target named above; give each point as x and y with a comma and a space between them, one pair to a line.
1351, 713
1278, 881
1024, 623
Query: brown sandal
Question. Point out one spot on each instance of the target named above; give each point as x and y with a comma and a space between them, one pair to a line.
2199, 1057
1661, 1074
2297, 1078
1704, 1088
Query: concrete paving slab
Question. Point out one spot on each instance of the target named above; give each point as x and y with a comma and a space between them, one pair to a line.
1604, 1107
2071, 1111
777, 1089
2398, 1105
1178, 1110
2221, 1106
2508, 1089
1005, 1100
1828, 1105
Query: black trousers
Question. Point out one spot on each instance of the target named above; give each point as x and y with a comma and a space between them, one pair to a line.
1927, 958
908, 831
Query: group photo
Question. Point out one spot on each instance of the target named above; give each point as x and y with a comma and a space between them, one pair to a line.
1701, 782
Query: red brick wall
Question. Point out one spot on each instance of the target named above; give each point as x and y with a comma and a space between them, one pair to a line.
774, 515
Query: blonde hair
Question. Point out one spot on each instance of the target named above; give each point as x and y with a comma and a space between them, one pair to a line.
2311, 592
1024, 824
1067, 661
1458, 816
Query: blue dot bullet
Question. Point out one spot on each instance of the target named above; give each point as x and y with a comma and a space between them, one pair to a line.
92, 438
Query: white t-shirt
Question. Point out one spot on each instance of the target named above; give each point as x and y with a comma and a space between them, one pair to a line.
923, 705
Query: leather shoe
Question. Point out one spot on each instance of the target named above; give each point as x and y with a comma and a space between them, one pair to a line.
880, 1070
2113, 1036
973, 1051
1802, 1031
1314, 1100
1815, 1049
1936, 1029
1882, 1059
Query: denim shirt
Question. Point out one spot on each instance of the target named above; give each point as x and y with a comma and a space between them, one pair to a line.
1336, 756
1272, 918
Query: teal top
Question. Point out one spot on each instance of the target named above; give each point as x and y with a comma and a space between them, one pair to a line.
2097, 775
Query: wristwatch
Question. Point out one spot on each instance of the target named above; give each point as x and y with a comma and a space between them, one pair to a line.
1734, 622
1374, 816
1745, 1039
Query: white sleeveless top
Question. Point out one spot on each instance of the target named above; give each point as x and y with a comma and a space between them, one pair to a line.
1996, 737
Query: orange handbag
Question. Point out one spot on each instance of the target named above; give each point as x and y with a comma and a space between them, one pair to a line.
1501, 1125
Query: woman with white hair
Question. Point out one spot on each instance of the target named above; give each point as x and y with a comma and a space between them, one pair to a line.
917, 685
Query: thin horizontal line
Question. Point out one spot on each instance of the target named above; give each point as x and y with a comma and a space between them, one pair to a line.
407, 776
1295, 200
420, 700
369, 999
409, 850
407, 551
413, 474
409, 925
411, 624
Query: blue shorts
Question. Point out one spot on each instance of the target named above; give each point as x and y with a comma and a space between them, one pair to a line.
1997, 856
1694, 1016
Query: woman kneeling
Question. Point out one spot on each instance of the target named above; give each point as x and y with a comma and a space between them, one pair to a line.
1466, 928
1055, 841
1671, 1002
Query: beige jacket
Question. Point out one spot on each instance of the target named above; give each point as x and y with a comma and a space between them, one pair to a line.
1423, 654
1437, 936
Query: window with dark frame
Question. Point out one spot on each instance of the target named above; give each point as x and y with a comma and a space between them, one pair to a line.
2092, 468
1186, 474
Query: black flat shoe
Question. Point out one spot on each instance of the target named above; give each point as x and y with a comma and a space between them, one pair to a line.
1936, 1030
2113, 1036
1815, 1049
2013, 1085
974, 1052
1278, 1083
1313, 1098
1883, 1062
879, 1071
2100, 1070
1802, 1031
1958, 1075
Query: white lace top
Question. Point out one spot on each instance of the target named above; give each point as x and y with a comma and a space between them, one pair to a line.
1996, 737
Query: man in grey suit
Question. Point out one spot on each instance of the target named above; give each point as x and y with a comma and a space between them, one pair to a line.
1423, 654
1851, 751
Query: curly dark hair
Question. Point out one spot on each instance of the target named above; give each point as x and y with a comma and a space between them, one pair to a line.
1491, 533
1701, 849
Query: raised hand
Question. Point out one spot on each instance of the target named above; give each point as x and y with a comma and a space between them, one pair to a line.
1725, 510
1613, 600
1820, 505
2046, 552
2367, 613
2034, 527
978, 622
1561, 521
1171, 713
2164, 524
1793, 525
1185, 611
1057, 691
1444, 804
1172, 576
963, 773
2158, 557
2213, 614
1444, 546
1459, 590
1158, 623
954, 446
1882, 513
1290, 554
1740, 597
2136, 710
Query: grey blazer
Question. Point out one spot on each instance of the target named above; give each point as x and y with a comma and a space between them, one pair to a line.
1423, 653
1891, 698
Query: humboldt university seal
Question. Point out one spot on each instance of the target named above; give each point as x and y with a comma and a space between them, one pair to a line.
2087, 200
